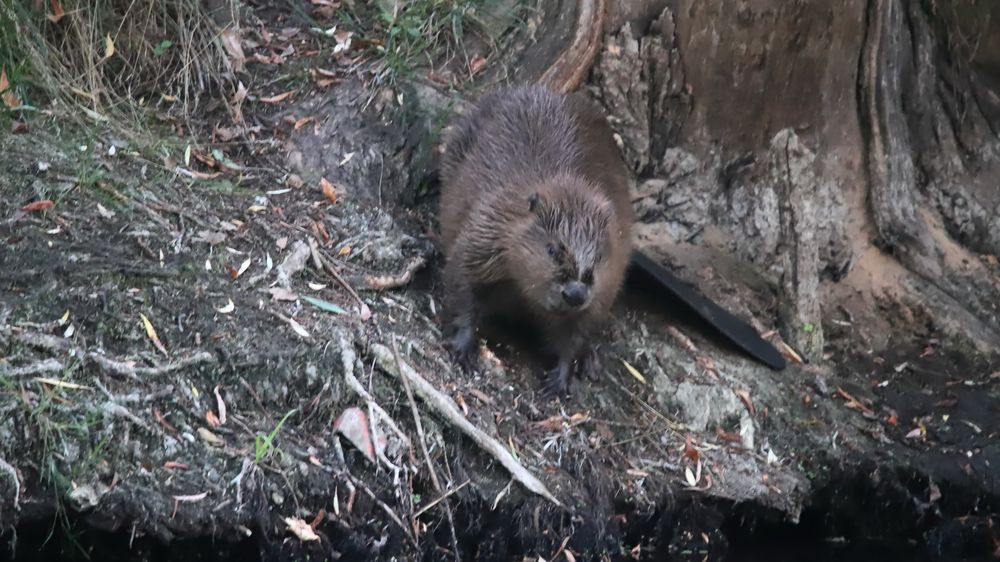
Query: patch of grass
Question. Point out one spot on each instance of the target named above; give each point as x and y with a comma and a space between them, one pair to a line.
59, 430
14, 67
262, 446
163, 50
417, 32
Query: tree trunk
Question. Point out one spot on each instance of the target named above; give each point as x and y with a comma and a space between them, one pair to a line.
853, 143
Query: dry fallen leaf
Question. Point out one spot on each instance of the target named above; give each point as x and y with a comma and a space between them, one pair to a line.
238, 97
61, 384
550, 424
281, 294
328, 190
199, 175
104, 212
852, 402
634, 372
221, 405
301, 529
476, 65
689, 477
321, 232
175, 465
227, 308
191, 498
365, 313
212, 419
278, 98
789, 353
9, 99
57, 12
38, 206
151, 333
323, 78
302, 122
298, 328
109, 47
231, 42
744, 395
243, 267
727, 436
353, 425
690, 451
209, 437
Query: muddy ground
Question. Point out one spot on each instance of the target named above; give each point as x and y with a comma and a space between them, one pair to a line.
113, 445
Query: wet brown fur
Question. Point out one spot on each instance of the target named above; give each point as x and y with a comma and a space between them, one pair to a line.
534, 194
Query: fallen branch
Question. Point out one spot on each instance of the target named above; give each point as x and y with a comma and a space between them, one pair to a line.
447, 409
56, 344
127, 368
49, 365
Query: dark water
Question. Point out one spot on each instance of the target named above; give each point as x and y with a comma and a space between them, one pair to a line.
35, 544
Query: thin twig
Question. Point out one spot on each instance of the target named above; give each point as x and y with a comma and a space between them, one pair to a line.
423, 447
365, 311
388, 510
443, 497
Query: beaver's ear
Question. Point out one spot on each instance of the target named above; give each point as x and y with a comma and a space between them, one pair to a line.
535, 203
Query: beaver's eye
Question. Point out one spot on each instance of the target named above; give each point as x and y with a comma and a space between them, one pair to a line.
552, 250
588, 276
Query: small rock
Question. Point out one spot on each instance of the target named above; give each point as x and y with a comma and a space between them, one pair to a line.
209, 437
84, 497
820, 384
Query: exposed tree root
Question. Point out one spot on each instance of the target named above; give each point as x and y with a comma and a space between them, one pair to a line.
567, 72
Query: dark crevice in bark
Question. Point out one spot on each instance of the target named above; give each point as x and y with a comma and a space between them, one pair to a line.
888, 164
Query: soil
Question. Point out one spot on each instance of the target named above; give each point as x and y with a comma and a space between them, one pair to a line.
117, 449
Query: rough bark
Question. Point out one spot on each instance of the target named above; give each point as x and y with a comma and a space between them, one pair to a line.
899, 197
794, 178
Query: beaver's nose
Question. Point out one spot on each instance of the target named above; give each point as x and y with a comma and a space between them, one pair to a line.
575, 293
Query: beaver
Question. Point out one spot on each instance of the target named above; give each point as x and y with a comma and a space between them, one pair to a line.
535, 220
